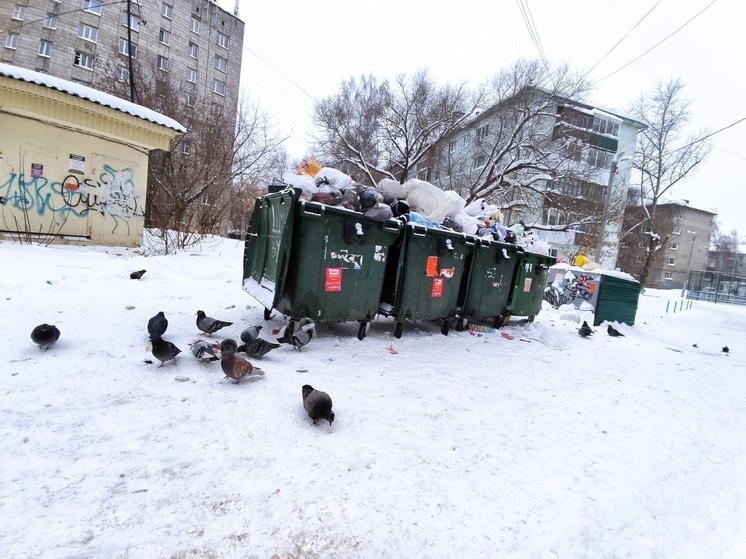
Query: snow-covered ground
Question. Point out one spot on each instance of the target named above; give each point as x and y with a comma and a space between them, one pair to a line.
539, 444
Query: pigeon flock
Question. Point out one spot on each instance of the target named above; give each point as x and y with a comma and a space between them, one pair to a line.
235, 366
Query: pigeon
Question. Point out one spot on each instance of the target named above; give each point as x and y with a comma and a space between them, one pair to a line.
300, 337
585, 330
726, 349
138, 274
45, 335
257, 348
234, 366
251, 333
614, 332
203, 351
318, 404
164, 350
208, 324
157, 326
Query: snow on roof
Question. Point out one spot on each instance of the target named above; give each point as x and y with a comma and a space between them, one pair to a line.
90, 94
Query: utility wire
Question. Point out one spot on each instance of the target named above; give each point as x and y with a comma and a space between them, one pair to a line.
276, 88
660, 42
276, 68
25, 23
532, 31
623, 37
707, 136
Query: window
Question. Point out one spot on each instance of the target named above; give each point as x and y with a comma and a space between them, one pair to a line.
222, 40
164, 37
194, 25
674, 246
188, 99
480, 161
125, 47
18, 13
642, 244
134, 21
464, 140
483, 131
422, 174
605, 126
600, 158
45, 48
677, 230
451, 146
186, 148
221, 63
191, 75
638, 272
93, 6
88, 33
646, 229
638, 259
166, 10
193, 50
83, 60
50, 22
553, 252
667, 275
123, 74
218, 87
670, 261
11, 41
679, 214
162, 63
552, 216
624, 244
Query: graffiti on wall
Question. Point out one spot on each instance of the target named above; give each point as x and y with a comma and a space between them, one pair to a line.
111, 194
573, 288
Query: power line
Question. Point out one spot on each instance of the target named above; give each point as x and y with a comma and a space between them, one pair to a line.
277, 69
707, 136
531, 27
276, 88
25, 23
623, 37
661, 41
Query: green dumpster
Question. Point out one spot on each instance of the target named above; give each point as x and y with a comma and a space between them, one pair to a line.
492, 267
424, 274
530, 281
307, 259
617, 299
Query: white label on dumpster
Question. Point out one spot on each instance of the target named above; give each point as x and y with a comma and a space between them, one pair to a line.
527, 284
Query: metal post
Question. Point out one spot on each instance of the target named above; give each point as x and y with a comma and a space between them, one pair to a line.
605, 212
129, 51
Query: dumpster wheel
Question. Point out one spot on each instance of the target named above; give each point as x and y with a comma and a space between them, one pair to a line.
502, 320
461, 324
398, 327
445, 327
363, 330
267, 314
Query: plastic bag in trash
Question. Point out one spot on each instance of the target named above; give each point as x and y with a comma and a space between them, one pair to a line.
433, 203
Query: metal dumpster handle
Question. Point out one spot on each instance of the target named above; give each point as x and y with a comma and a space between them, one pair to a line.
316, 210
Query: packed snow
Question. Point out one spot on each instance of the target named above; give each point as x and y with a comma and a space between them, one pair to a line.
528, 441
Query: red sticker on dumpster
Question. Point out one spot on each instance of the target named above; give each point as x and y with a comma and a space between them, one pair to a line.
333, 279
437, 290
527, 284
431, 268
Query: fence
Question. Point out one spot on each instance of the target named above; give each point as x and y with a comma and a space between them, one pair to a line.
717, 287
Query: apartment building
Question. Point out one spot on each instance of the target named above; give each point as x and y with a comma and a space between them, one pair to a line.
584, 160
686, 232
194, 43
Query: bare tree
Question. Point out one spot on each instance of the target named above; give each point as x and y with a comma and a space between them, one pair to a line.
208, 181
667, 153
512, 153
373, 130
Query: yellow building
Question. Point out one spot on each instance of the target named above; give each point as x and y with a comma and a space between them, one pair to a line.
74, 160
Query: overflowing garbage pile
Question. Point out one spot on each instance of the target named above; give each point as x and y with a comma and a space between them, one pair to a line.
415, 201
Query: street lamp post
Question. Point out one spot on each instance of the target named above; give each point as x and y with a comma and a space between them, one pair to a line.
607, 202
689, 263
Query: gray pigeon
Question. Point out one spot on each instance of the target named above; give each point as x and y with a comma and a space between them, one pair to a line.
251, 333
301, 336
164, 350
318, 404
203, 351
45, 335
257, 348
234, 366
613, 332
137, 275
208, 324
585, 330
157, 326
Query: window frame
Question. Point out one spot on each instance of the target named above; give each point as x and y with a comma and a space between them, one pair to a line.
127, 44
11, 41
215, 87
85, 27
194, 25
191, 75
220, 64
93, 6
19, 12
43, 51
167, 10
163, 63
134, 21
80, 56
222, 38
50, 22
193, 50
164, 37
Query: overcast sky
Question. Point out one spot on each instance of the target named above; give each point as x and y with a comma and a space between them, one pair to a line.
296, 52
